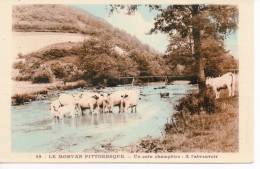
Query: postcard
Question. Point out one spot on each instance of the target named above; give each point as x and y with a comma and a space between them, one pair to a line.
126, 81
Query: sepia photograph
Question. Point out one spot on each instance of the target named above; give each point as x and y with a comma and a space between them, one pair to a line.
129, 80
135, 78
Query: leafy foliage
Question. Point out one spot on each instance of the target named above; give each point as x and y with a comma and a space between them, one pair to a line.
41, 77
194, 103
212, 50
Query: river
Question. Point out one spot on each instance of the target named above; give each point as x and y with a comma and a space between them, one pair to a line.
34, 130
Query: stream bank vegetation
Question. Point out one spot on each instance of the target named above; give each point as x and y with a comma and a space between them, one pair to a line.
194, 129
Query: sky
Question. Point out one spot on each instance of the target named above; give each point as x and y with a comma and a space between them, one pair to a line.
139, 25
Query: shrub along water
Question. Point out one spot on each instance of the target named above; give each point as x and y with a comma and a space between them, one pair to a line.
194, 103
197, 127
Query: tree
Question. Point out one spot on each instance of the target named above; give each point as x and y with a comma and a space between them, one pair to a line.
179, 52
192, 20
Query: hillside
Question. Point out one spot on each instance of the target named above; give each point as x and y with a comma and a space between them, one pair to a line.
107, 54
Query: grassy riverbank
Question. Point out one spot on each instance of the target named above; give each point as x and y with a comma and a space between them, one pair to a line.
24, 91
217, 132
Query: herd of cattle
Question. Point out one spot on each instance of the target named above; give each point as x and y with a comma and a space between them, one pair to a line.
74, 105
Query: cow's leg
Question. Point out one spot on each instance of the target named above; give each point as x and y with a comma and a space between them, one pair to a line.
98, 109
72, 114
230, 91
121, 107
91, 108
127, 107
82, 112
111, 108
233, 89
216, 93
103, 108
55, 119
60, 116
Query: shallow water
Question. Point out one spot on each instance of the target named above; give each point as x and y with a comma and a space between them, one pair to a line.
34, 130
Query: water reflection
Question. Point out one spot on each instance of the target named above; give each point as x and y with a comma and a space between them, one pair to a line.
93, 120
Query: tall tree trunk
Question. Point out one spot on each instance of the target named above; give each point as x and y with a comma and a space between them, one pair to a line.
197, 54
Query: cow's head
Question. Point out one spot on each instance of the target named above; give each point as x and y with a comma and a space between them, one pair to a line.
95, 97
124, 96
80, 96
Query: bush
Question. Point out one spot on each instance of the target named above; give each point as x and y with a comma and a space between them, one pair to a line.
110, 81
194, 103
19, 99
41, 77
104, 80
73, 85
58, 70
190, 111
19, 65
54, 53
71, 72
22, 78
74, 76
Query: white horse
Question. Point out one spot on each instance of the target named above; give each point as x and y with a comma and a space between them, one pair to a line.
226, 81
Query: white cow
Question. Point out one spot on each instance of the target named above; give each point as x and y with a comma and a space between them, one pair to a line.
89, 100
130, 100
226, 81
71, 110
54, 107
115, 99
102, 102
77, 96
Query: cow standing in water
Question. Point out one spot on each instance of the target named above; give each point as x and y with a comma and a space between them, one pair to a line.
226, 81
130, 100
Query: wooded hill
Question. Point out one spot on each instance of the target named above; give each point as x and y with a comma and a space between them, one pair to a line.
104, 55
